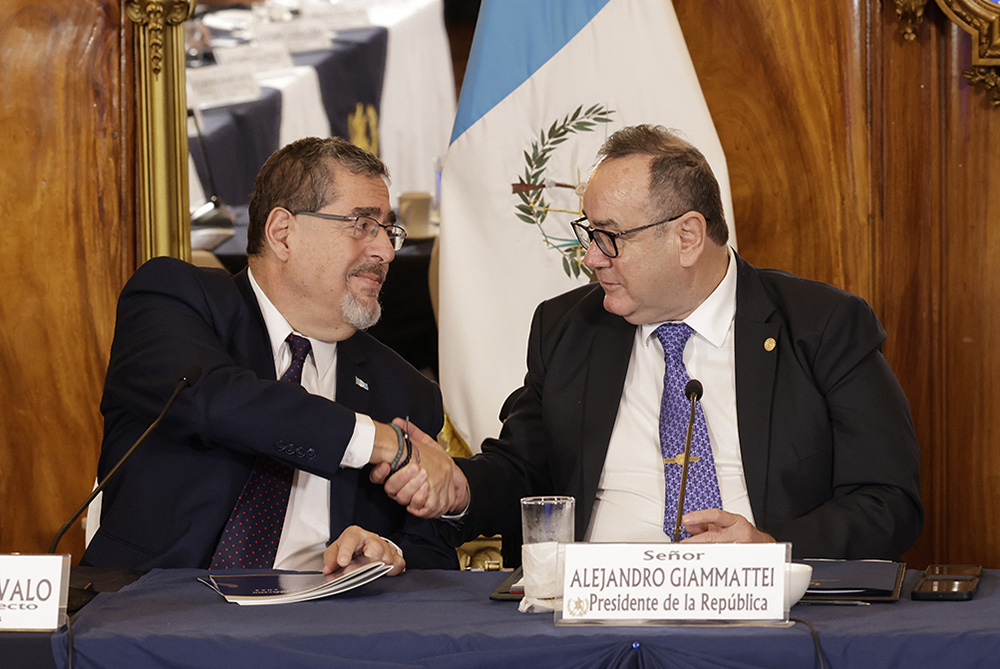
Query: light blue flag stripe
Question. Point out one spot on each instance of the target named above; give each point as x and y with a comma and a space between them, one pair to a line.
513, 39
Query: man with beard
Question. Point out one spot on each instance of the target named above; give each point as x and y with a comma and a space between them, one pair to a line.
259, 464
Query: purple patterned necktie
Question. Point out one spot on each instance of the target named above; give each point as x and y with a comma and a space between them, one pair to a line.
250, 539
675, 411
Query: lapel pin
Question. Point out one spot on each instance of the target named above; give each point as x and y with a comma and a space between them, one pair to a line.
769, 344
360, 383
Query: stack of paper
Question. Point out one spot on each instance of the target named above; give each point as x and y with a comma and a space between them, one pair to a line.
254, 589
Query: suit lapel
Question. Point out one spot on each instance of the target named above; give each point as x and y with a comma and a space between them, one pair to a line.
608, 357
261, 358
353, 392
756, 349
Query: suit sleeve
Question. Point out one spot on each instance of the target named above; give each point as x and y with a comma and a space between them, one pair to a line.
869, 478
516, 464
171, 314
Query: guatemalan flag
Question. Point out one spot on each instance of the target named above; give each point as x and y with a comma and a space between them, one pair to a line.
547, 82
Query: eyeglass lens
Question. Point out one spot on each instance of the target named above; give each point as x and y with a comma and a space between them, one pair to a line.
369, 229
605, 242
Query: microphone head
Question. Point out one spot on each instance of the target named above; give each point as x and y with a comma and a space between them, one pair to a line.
191, 373
213, 214
693, 390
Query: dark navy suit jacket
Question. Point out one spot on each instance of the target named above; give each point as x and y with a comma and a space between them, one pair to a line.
168, 504
829, 450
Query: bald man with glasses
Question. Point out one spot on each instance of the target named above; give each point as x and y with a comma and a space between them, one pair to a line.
804, 432
263, 463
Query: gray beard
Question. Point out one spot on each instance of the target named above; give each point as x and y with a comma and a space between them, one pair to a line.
362, 314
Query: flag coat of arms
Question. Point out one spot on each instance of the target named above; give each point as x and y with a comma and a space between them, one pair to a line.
547, 82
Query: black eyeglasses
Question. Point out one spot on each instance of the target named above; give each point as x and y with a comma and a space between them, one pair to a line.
606, 240
365, 227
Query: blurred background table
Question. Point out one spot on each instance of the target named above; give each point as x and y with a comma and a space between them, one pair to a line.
401, 65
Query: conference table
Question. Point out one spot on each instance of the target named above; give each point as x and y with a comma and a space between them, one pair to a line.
446, 619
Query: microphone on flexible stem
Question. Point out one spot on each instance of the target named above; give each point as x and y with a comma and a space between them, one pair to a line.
191, 374
693, 391
213, 213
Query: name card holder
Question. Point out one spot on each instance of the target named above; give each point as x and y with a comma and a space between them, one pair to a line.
296, 36
221, 85
259, 58
342, 16
676, 584
33, 591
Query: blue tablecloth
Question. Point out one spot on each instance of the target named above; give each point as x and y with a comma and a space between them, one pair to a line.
445, 619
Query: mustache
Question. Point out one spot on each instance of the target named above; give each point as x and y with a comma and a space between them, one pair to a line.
373, 268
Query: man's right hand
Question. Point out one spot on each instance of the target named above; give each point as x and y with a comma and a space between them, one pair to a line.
431, 484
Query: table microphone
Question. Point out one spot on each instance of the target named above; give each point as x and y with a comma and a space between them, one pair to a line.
191, 374
693, 391
212, 214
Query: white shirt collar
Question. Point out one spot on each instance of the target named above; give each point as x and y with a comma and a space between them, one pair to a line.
324, 353
712, 318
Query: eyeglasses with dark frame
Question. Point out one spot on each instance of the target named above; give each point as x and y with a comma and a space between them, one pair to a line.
365, 227
606, 240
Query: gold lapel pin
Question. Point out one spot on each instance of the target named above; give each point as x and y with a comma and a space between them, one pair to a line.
769, 344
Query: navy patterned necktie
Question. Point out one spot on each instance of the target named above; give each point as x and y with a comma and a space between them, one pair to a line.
250, 538
675, 410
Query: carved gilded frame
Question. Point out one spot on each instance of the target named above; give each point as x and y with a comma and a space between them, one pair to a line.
981, 19
161, 127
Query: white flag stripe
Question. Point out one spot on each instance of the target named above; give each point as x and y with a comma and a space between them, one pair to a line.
630, 59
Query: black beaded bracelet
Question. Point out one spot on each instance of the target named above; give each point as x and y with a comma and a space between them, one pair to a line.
400, 435
404, 446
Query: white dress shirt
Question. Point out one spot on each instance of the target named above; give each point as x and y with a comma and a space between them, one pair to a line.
306, 531
629, 506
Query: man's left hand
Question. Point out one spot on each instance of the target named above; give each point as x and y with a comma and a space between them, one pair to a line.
715, 526
357, 541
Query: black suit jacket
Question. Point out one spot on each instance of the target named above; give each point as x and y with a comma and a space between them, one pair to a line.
829, 451
169, 503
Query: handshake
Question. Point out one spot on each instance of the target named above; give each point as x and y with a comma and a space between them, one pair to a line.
429, 484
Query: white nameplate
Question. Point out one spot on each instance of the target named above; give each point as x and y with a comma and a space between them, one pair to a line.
296, 36
33, 591
268, 57
341, 16
674, 582
221, 85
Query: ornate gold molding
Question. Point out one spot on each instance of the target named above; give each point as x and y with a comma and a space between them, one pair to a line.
910, 13
161, 126
155, 15
981, 19
988, 78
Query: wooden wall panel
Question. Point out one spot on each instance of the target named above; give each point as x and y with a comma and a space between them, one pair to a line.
787, 86
66, 190
970, 295
907, 91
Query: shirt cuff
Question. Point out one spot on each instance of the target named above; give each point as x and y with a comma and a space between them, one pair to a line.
393, 544
359, 449
460, 515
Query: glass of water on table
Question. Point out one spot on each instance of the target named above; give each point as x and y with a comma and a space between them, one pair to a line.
547, 524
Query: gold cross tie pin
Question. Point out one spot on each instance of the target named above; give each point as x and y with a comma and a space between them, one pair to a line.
679, 459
